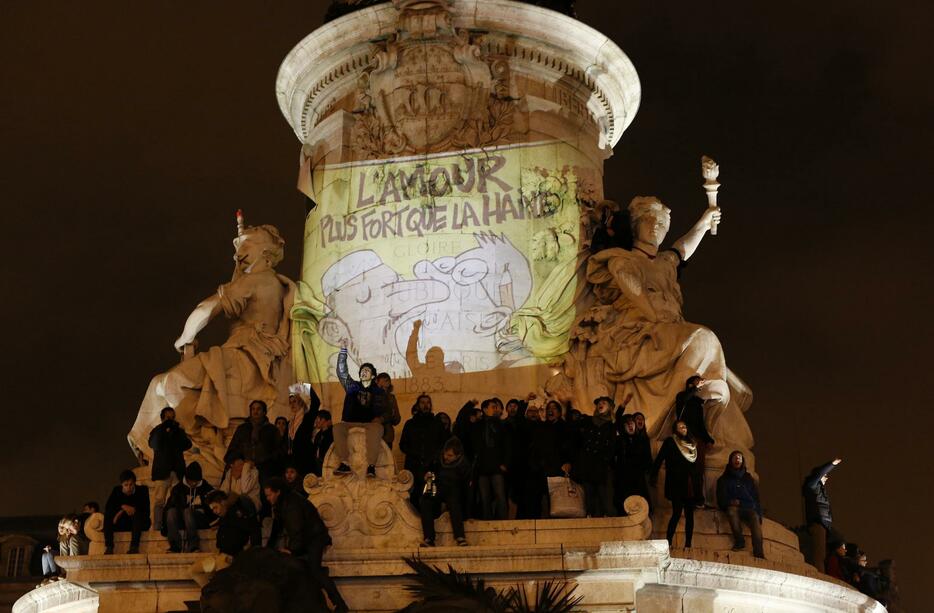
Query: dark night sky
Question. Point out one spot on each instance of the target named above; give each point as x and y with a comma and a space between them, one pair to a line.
130, 134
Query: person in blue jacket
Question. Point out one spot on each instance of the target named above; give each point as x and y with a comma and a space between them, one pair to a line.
738, 497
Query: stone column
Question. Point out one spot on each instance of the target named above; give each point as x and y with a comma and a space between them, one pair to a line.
454, 150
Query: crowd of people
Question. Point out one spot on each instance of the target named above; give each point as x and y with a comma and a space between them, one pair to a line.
494, 461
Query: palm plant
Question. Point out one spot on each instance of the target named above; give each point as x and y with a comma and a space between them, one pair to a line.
452, 591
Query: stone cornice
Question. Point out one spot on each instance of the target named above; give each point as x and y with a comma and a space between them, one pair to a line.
324, 67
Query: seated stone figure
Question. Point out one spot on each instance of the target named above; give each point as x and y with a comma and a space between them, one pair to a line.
211, 390
634, 344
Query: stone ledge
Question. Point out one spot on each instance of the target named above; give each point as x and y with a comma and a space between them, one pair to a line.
611, 576
62, 595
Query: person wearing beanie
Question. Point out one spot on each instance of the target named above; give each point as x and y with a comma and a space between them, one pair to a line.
592, 465
738, 497
188, 508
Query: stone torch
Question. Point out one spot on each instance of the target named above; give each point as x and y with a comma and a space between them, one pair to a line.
711, 170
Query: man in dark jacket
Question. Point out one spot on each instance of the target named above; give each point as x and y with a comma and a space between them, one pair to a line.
188, 508
236, 522
321, 439
633, 462
595, 457
451, 474
421, 442
169, 444
127, 510
817, 511
364, 403
257, 441
551, 449
738, 497
390, 414
689, 408
299, 531
490, 444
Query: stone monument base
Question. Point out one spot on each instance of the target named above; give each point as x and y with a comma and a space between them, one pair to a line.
607, 559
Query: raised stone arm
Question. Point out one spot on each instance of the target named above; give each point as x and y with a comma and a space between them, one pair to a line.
199, 318
687, 244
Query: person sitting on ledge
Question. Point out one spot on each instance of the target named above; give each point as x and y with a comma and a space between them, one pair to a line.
127, 510
447, 481
836, 563
236, 522
298, 530
738, 497
188, 506
682, 483
363, 407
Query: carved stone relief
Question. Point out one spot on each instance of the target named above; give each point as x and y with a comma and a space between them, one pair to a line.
430, 88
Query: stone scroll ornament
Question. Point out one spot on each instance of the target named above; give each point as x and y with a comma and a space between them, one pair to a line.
431, 89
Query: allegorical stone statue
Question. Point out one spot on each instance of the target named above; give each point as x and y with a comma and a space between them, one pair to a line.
211, 390
634, 344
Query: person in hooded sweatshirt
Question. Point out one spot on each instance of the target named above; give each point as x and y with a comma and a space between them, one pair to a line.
738, 497
633, 462
817, 511
364, 407
682, 482
188, 508
451, 472
592, 465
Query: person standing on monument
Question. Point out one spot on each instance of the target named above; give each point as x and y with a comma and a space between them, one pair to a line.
682, 482
421, 442
738, 497
817, 511
322, 437
363, 407
391, 416
304, 405
689, 408
633, 462
490, 443
169, 443
592, 467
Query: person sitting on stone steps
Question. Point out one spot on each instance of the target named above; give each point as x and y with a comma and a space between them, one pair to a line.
127, 510
363, 407
446, 482
188, 509
738, 497
299, 531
